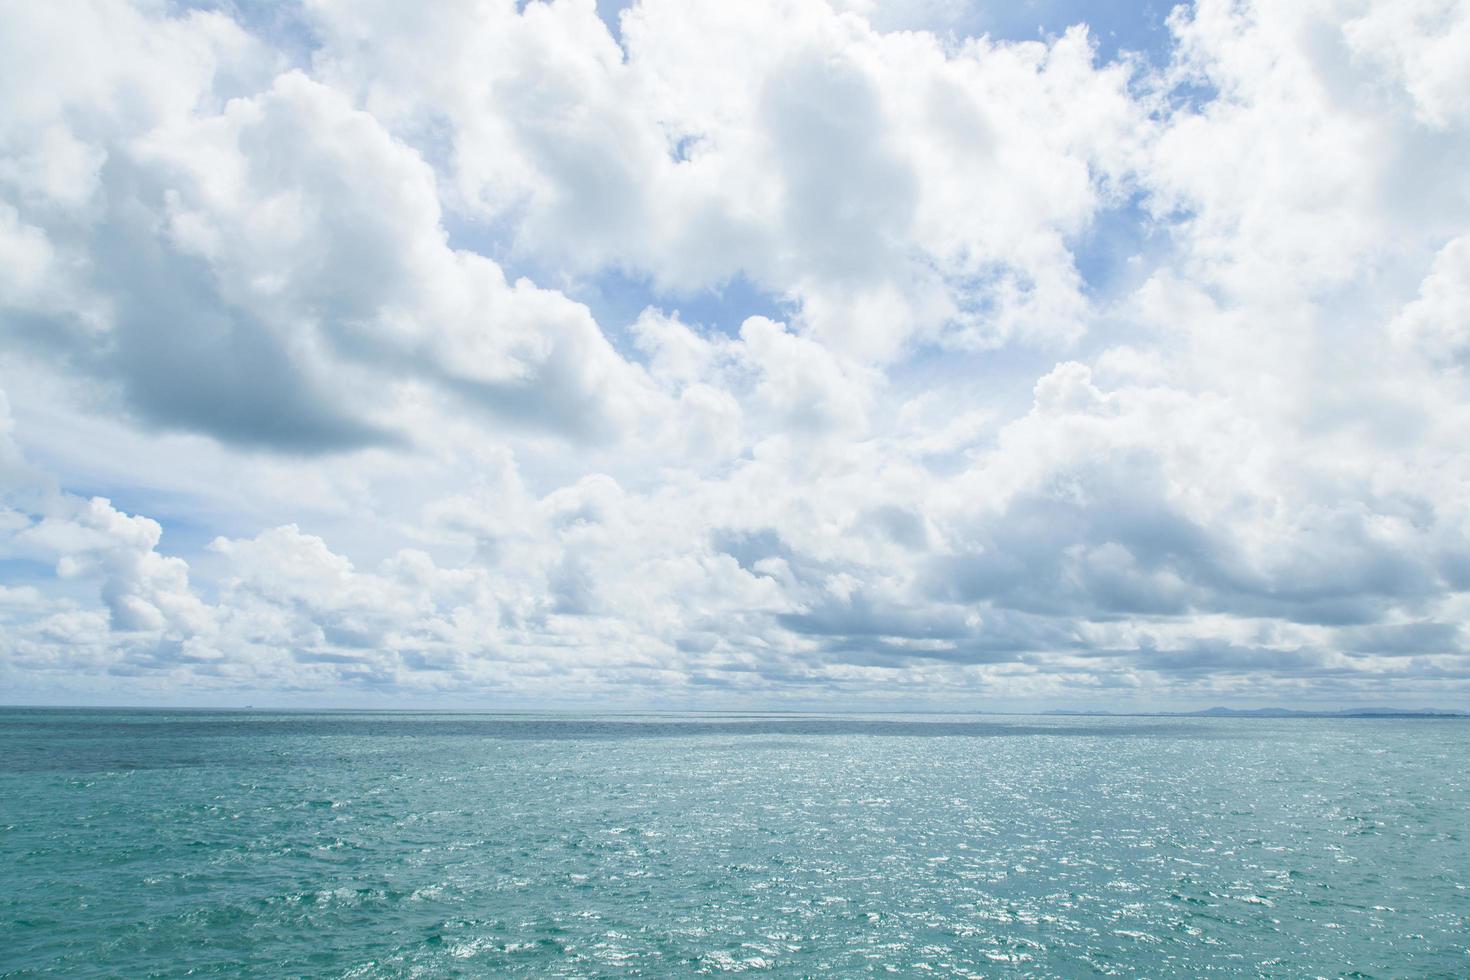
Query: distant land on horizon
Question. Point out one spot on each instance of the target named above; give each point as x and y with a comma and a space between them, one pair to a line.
1221, 712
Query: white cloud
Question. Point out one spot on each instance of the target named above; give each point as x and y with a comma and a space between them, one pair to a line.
271, 270
1086, 378
1437, 323
863, 175
1421, 44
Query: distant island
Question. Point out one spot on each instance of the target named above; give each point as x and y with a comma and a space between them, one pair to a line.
1218, 712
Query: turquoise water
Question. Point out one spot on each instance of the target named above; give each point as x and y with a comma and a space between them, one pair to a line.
172, 843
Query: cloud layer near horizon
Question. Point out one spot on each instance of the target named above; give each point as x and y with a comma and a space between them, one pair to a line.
763, 353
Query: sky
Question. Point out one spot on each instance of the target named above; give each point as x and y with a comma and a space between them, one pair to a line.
782, 354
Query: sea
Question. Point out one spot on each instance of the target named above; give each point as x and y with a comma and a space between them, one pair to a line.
350, 844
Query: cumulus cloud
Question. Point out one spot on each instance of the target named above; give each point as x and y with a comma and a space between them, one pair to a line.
891, 187
270, 268
1437, 322
925, 368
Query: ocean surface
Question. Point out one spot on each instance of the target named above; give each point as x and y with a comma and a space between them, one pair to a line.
167, 844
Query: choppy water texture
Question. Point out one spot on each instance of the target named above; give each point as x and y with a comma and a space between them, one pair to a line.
158, 843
